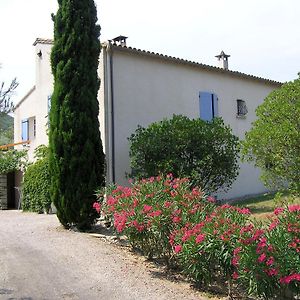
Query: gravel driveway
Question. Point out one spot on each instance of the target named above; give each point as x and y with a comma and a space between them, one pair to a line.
41, 260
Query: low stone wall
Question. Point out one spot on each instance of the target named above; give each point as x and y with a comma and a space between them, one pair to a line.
3, 191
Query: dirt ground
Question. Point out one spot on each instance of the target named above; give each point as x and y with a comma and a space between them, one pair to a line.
41, 260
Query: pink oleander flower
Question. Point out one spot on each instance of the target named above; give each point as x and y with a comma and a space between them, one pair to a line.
262, 257
200, 238
155, 213
237, 250
270, 261
235, 261
289, 278
295, 207
97, 207
235, 275
147, 208
176, 219
274, 224
278, 210
167, 204
244, 211
272, 272
177, 248
111, 201
211, 199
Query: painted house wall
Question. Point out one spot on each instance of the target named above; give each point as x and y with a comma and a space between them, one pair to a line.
148, 89
35, 105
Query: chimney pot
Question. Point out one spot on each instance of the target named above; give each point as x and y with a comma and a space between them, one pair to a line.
223, 60
120, 40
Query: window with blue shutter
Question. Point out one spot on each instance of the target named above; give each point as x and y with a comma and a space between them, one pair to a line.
25, 130
208, 106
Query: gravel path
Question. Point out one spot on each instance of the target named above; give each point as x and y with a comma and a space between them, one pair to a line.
41, 260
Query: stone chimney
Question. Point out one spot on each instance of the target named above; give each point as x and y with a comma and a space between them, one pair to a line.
120, 40
223, 60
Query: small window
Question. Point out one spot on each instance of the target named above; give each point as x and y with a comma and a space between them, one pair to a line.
25, 130
241, 108
208, 106
34, 127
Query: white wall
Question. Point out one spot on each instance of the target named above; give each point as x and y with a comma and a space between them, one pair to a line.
35, 106
148, 89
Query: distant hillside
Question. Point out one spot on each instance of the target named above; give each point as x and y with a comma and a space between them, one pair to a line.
6, 129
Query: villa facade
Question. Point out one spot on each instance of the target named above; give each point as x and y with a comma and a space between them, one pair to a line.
140, 87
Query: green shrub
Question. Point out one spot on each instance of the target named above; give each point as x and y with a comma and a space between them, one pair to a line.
204, 152
274, 139
12, 160
36, 194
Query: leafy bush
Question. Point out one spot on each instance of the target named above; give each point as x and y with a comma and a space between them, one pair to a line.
36, 194
12, 160
273, 142
205, 152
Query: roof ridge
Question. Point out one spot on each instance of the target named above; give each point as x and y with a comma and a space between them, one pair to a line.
204, 66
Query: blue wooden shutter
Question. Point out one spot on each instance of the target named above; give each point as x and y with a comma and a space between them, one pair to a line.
206, 108
25, 129
215, 105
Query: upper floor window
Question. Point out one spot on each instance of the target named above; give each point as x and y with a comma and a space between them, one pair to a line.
208, 106
241, 108
28, 129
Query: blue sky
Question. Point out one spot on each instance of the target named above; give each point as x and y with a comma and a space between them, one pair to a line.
262, 37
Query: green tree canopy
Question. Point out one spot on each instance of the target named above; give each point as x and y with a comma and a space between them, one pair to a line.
273, 143
76, 155
205, 152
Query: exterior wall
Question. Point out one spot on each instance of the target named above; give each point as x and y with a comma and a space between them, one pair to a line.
3, 191
148, 89
35, 106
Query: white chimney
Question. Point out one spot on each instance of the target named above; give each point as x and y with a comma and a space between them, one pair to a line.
120, 40
223, 60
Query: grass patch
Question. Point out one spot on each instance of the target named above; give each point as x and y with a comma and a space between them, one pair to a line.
264, 205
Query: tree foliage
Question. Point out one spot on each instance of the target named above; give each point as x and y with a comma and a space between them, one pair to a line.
76, 155
273, 143
6, 129
12, 160
6, 105
205, 152
36, 185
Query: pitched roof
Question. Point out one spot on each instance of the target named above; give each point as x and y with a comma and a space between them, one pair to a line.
192, 63
178, 60
43, 41
25, 97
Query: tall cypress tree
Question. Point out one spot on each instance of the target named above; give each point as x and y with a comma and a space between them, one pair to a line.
76, 154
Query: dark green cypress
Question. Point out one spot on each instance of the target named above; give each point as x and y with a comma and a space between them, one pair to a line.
76, 153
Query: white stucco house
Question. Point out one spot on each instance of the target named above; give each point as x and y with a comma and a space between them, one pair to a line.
140, 87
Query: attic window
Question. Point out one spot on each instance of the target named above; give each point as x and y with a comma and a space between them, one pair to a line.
241, 108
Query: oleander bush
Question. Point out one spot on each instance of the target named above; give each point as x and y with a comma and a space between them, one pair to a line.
150, 210
168, 218
267, 258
